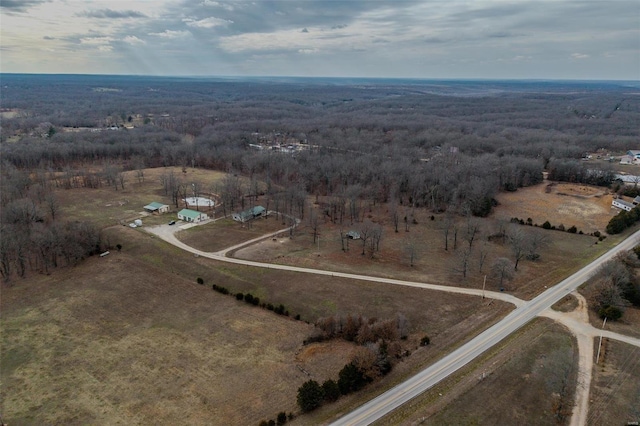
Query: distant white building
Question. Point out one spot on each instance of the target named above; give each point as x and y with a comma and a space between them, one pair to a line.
634, 153
627, 159
621, 204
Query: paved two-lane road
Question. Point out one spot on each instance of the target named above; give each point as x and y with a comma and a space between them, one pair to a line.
395, 397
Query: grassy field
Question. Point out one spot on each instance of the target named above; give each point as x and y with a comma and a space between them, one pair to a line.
615, 388
519, 384
105, 206
224, 233
131, 338
565, 253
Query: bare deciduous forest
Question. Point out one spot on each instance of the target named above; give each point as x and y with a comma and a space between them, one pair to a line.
438, 145
350, 157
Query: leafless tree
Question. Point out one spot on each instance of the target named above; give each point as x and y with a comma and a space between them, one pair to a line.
537, 240
52, 204
411, 249
395, 215
518, 241
483, 252
472, 230
502, 270
463, 257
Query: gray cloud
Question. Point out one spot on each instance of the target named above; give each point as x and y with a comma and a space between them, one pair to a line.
481, 39
269, 16
111, 14
20, 5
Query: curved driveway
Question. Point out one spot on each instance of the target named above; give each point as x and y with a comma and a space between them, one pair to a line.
166, 233
524, 312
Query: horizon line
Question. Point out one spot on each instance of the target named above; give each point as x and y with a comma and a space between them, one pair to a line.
479, 79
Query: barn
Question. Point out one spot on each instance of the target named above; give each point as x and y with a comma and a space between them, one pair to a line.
155, 207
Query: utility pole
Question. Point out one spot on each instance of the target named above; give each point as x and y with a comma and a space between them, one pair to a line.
600, 343
483, 284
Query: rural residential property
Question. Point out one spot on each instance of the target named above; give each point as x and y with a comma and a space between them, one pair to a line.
249, 214
189, 215
339, 213
155, 207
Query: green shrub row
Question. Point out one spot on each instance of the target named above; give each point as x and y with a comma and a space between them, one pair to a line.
547, 225
623, 220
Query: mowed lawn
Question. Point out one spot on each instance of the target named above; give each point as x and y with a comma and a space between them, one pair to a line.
132, 338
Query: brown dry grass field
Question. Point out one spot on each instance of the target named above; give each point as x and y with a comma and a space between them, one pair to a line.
586, 207
131, 337
105, 206
226, 232
565, 253
515, 383
615, 388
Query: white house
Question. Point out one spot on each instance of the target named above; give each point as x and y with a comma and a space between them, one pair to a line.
634, 153
621, 204
192, 215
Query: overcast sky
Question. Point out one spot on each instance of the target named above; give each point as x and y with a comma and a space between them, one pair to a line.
491, 39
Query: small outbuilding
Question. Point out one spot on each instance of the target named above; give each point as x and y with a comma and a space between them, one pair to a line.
249, 214
192, 216
155, 207
353, 235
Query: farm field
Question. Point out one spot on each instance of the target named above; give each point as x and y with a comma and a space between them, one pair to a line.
586, 207
525, 377
156, 327
131, 337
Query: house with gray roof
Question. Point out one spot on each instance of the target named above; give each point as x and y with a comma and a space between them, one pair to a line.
621, 204
249, 214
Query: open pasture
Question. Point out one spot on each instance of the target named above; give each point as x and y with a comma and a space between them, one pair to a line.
586, 207
131, 337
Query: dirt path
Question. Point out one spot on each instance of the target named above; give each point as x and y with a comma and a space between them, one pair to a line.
577, 321
166, 233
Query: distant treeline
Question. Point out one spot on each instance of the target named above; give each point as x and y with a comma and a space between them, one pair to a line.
417, 144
